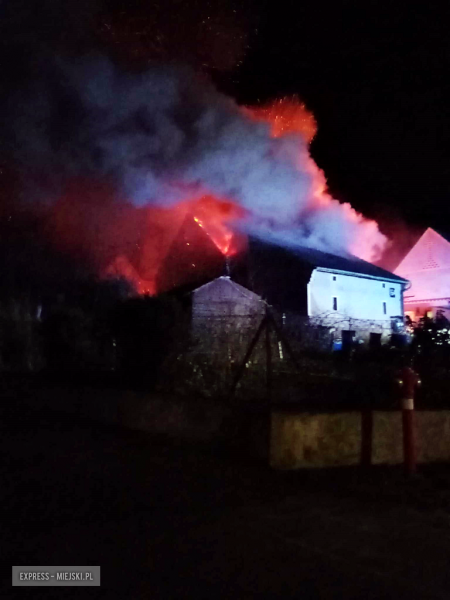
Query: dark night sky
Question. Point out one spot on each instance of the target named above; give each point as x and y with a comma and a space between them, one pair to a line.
375, 74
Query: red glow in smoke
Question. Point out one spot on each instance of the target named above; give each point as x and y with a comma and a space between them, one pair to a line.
216, 216
161, 226
121, 267
289, 115
123, 241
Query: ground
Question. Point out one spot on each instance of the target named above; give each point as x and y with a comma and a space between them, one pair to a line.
168, 520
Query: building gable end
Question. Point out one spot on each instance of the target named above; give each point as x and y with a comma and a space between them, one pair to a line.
432, 251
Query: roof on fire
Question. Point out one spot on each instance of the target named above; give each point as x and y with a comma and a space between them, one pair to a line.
279, 274
324, 261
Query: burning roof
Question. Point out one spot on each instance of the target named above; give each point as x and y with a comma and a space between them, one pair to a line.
337, 264
280, 274
276, 273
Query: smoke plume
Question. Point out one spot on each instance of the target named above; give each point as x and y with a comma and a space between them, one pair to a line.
164, 136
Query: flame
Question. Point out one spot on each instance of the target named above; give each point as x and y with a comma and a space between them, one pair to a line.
212, 214
215, 216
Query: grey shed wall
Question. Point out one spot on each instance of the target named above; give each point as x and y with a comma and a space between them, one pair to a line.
224, 315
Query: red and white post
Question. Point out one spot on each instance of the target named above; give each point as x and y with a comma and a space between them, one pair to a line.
408, 380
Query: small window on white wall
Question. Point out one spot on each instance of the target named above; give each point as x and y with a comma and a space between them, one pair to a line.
392, 292
334, 303
384, 308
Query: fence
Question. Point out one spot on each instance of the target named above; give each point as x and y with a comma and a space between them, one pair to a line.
217, 354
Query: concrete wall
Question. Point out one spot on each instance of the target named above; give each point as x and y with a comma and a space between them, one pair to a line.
357, 297
302, 440
288, 439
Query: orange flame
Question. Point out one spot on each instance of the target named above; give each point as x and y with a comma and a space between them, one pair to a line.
215, 216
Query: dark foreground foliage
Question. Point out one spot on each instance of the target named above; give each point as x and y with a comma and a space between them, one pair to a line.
100, 335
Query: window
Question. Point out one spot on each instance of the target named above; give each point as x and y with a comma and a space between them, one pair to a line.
384, 285
384, 308
334, 278
334, 303
391, 292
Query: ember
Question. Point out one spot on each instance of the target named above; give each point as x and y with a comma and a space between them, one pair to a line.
287, 115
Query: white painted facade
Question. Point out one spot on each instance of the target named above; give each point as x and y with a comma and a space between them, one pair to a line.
346, 295
225, 314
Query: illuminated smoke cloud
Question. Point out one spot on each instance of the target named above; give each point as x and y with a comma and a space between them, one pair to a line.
164, 136
323, 222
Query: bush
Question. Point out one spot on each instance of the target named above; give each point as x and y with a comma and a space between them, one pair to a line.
146, 331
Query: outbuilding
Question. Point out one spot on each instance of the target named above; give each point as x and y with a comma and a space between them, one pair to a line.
305, 287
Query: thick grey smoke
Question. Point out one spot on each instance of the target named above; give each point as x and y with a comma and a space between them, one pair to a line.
163, 136
160, 137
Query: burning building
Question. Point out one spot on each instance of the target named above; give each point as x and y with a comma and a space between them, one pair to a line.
325, 286
302, 285
158, 178
427, 267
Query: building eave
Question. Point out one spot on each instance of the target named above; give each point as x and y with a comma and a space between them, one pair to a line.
411, 300
363, 275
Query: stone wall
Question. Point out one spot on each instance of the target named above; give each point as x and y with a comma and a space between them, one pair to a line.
304, 440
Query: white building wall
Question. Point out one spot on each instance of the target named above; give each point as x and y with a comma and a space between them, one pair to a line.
357, 297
